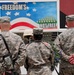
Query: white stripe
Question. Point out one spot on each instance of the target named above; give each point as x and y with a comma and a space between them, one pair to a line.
24, 20
19, 29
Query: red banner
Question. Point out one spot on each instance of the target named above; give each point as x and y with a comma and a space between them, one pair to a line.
66, 8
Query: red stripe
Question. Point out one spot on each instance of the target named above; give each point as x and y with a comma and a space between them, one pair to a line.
22, 24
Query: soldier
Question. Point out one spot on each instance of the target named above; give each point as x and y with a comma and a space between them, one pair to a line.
13, 58
64, 43
39, 55
28, 36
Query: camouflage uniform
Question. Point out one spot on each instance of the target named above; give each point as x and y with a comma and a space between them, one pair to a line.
64, 43
28, 36
39, 57
16, 47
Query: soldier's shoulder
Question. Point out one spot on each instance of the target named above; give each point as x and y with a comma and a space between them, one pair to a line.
66, 33
30, 45
46, 44
14, 35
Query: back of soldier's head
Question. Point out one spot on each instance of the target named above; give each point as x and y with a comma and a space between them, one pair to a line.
38, 33
28, 36
70, 21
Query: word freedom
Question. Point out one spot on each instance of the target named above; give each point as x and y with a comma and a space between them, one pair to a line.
14, 7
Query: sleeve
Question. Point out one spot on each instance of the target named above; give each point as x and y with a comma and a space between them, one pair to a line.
21, 54
51, 58
58, 44
52, 55
26, 65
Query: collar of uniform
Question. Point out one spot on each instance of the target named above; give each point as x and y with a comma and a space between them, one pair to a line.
5, 33
38, 40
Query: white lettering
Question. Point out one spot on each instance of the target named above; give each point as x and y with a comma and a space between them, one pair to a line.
14, 7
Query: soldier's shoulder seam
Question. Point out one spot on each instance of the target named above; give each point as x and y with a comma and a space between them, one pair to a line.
28, 45
45, 43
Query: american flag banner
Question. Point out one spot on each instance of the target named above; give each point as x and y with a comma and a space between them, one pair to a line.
30, 14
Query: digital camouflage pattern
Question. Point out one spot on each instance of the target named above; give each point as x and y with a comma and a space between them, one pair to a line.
64, 43
39, 58
37, 31
15, 45
4, 19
